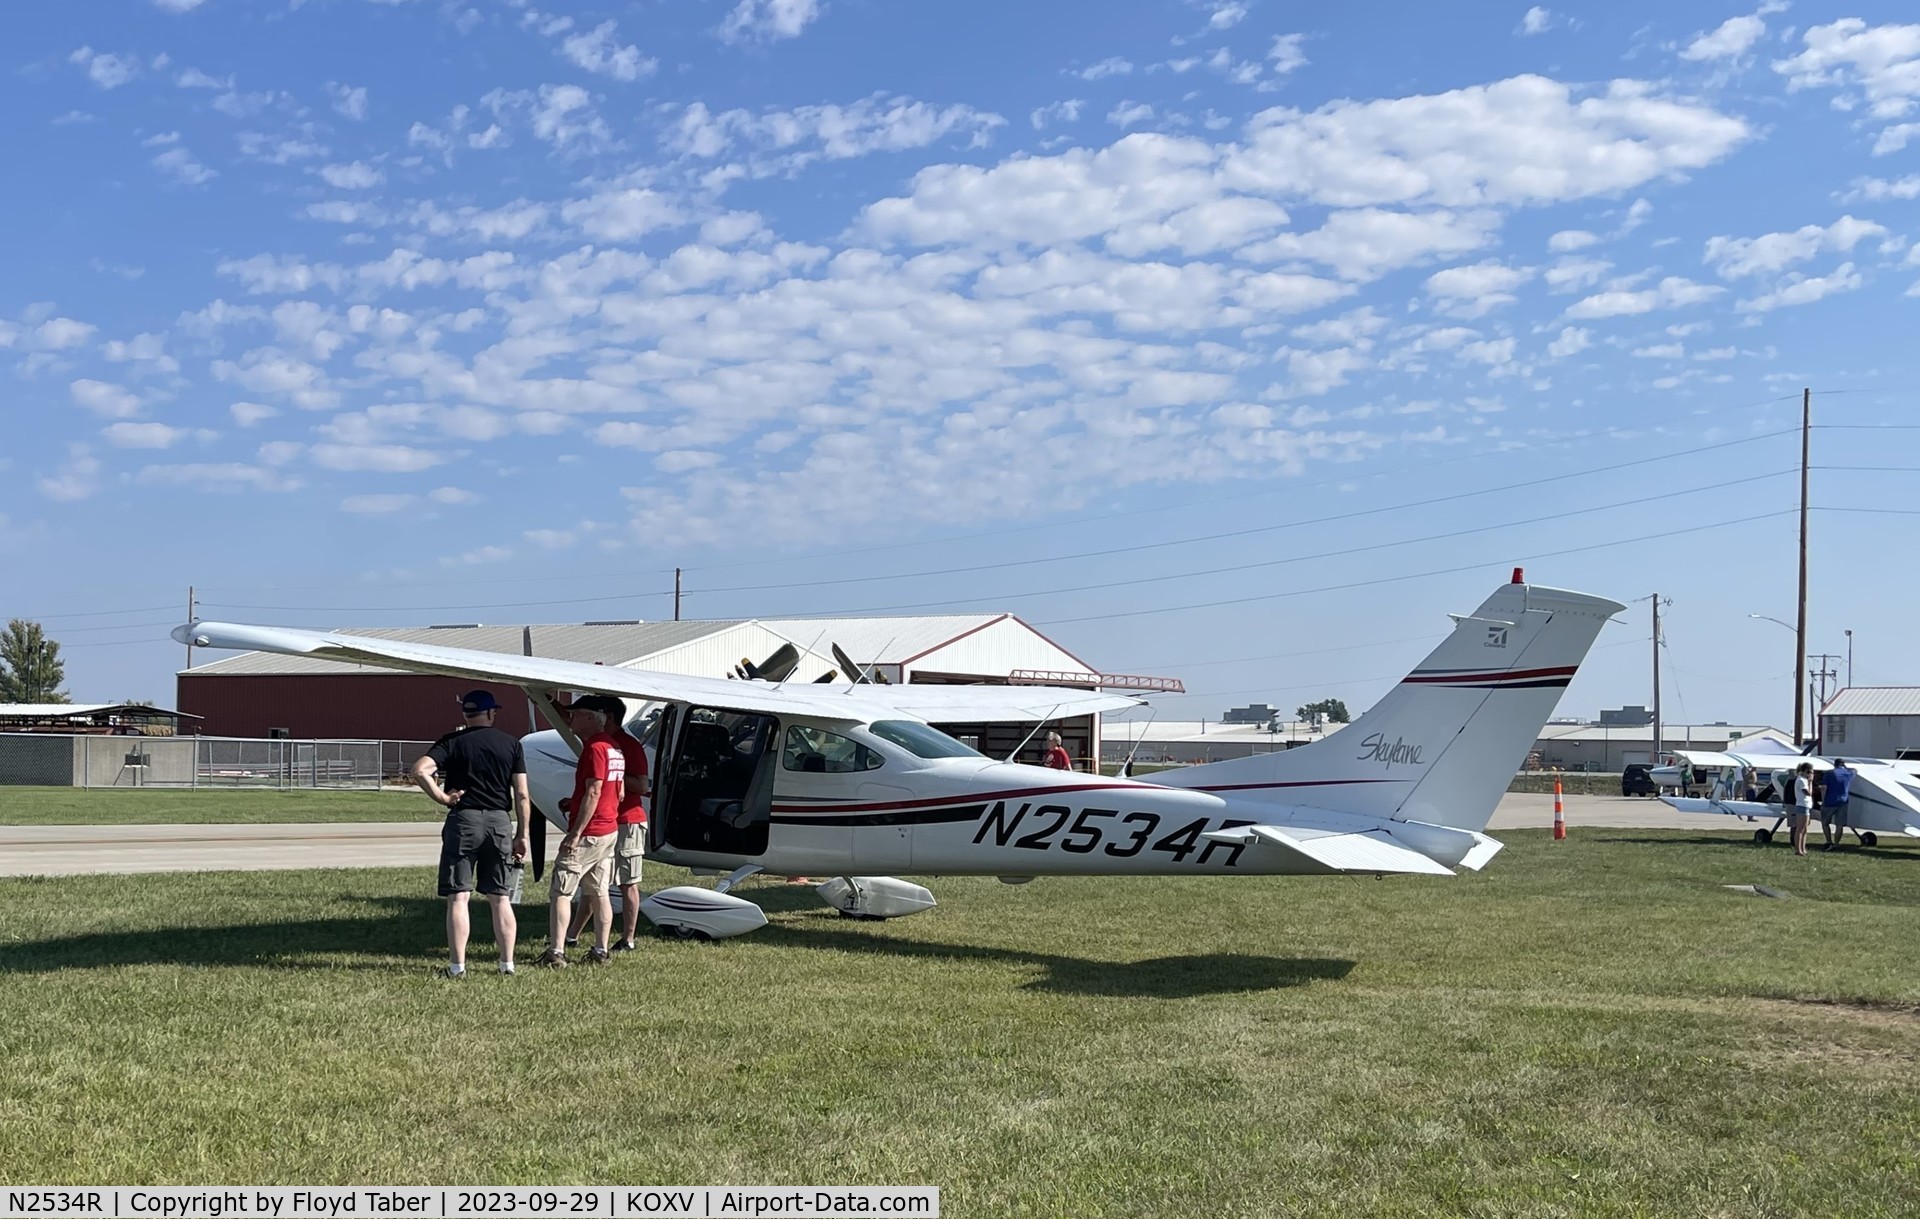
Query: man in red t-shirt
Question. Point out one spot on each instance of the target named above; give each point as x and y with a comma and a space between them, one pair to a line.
585, 858
631, 842
1057, 757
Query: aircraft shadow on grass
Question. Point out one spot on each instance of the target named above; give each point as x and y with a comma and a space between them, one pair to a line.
1731, 843
406, 927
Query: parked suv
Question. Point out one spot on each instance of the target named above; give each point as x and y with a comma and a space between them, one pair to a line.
1637, 780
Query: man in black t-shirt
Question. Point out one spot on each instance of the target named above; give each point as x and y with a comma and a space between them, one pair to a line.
478, 773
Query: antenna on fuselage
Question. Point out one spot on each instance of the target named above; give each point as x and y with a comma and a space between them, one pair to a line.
1037, 727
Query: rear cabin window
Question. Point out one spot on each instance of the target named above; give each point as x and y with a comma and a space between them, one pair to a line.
921, 740
817, 751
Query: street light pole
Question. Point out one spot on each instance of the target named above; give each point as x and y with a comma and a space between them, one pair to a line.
1849, 660
1799, 674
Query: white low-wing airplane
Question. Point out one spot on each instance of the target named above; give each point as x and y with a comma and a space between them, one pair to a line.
1883, 799
852, 782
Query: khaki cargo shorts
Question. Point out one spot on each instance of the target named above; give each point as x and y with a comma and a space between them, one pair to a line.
584, 869
629, 848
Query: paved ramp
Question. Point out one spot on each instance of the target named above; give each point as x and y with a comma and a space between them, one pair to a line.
70, 850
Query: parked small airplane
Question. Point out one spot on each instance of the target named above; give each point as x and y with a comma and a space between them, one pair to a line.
851, 781
1884, 797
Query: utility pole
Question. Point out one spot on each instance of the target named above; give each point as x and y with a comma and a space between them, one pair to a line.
1800, 631
1823, 674
191, 615
676, 594
1849, 660
1656, 681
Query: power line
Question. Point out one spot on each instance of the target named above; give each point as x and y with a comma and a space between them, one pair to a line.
1443, 571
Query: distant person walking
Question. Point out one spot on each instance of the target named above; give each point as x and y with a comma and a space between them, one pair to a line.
1057, 757
1802, 806
477, 773
584, 862
1833, 807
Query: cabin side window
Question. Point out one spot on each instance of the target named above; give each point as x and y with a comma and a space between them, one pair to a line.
817, 751
920, 740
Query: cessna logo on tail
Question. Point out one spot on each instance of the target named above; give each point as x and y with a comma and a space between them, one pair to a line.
1496, 637
1377, 748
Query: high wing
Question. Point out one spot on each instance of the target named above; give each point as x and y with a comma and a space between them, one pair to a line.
856, 703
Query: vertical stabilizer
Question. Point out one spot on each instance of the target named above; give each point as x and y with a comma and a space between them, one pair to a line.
1442, 746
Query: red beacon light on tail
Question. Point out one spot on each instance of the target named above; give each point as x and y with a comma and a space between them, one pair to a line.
1519, 575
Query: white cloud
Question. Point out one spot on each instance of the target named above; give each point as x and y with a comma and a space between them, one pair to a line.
60, 334
376, 505
768, 20
1661, 351
1568, 240
1527, 140
1056, 112
1536, 21
1733, 38
1286, 55
103, 398
1473, 291
178, 6
1112, 66
622, 215
1572, 341
246, 414
382, 458
1574, 274
1879, 189
216, 476
194, 78
1366, 243
600, 52
1895, 138
1129, 114
104, 70
125, 435
76, 479
1226, 14
451, 495
1804, 290
1673, 292
179, 164
1737, 257
350, 101
355, 175
783, 141
1883, 62
473, 558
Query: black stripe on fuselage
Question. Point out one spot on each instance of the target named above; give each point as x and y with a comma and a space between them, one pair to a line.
901, 816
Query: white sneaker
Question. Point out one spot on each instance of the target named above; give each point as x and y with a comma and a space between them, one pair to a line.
506, 967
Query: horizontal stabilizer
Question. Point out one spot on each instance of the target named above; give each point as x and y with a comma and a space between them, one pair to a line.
1482, 853
1371, 851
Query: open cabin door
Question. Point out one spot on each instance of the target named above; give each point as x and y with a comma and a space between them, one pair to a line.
714, 793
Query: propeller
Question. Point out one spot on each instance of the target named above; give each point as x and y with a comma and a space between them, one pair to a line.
855, 673
829, 676
777, 667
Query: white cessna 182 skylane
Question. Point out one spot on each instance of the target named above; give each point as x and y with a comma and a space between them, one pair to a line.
850, 781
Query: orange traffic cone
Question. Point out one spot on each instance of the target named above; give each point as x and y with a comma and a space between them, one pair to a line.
1559, 814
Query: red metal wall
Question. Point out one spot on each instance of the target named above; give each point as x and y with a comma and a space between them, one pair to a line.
378, 706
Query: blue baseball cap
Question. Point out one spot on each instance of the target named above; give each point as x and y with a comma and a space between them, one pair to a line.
473, 702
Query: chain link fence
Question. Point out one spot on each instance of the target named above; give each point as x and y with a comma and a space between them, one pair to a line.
203, 762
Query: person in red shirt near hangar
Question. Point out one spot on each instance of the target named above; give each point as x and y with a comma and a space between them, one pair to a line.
630, 843
585, 859
1057, 757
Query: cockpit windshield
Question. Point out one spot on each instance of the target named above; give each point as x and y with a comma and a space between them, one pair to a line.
921, 740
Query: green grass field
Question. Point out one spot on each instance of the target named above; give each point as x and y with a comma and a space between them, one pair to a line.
1593, 1027
206, 806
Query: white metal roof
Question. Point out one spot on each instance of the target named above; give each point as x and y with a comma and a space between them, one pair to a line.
1875, 700
1170, 731
917, 641
48, 711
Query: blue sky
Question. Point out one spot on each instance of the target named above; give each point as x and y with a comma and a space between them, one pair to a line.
1237, 341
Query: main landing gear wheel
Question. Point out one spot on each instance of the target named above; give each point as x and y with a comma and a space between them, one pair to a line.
1763, 837
1869, 839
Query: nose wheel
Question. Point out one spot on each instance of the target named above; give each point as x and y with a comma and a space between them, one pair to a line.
1763, 837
